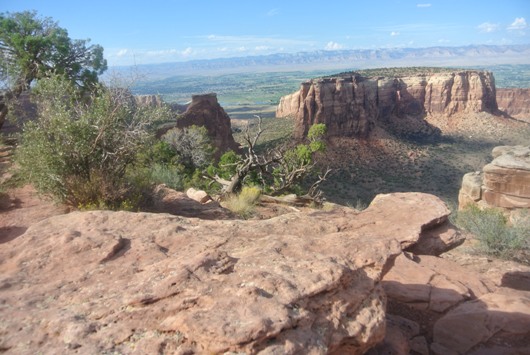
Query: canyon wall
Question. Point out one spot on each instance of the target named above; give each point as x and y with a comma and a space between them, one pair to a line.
515, 102
351, 105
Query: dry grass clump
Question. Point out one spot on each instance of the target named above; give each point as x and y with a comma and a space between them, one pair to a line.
244, 203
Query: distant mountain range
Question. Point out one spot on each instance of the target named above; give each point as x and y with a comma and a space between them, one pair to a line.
343, 59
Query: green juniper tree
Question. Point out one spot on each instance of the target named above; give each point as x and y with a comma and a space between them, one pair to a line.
32, 48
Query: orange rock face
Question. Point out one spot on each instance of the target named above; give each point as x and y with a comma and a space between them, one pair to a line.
515, 102
504, 183
351, 105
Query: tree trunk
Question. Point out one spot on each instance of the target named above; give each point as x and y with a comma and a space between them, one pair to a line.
3, 112
4, 98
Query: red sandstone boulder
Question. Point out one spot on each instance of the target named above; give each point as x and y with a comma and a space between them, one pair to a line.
504, 183
205, 111
493, 323
100, 282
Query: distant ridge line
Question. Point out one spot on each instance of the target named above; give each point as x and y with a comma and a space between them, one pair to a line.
358, 58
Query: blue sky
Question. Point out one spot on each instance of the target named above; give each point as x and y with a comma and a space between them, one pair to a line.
155, 31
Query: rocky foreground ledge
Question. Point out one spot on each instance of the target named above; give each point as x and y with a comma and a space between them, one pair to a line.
140, 283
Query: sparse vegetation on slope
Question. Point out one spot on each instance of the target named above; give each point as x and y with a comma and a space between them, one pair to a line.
395, 72
497, 237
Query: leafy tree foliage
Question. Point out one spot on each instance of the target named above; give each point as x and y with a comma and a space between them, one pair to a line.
32, 48
80, 151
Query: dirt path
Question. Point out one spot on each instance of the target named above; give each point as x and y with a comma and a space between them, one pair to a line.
22, 207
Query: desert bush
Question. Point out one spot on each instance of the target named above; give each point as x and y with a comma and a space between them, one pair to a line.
243, 203
191, 145
170, 175
496, 236
81, 148
179, 158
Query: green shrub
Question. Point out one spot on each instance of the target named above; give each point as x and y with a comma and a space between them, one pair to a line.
244, 203
227, 165
81, 149
496, 236
191, 145
170, 175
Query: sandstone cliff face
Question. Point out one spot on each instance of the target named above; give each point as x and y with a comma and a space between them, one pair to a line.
351, 105
504, 183
156, 101
515, 102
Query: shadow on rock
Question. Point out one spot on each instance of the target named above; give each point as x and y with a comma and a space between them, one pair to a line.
518, 280
7, 234
437, 307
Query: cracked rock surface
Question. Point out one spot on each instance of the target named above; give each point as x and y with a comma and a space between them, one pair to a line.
137, 283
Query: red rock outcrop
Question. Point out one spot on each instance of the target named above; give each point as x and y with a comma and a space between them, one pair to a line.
504, 183
436, 306
515, 102
351, 105
206, 111
140, 283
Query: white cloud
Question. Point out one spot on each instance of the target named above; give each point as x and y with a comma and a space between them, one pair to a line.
122, 52
394, 33
161, 53
331, 46
261, 48
488, 27
188, 51
518, 24
423, 5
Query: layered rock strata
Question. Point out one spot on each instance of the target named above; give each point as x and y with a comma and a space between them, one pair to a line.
515, 102
351, 105
120, 282
504, 183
